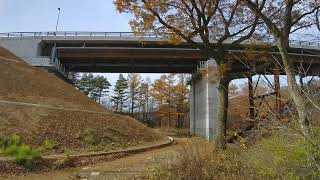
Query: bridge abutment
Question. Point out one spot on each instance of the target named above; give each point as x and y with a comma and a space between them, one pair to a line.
203, 103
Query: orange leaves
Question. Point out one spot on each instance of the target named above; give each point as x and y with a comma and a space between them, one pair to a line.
172, 97
214, 73
251, 53
223, 69
119, 5
211, 4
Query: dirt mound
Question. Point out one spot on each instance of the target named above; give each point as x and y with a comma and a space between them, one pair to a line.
21, 82
24, 83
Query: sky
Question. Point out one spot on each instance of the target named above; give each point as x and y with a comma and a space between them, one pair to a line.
76, 15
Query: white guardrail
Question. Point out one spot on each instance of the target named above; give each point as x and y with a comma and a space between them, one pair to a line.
315, 42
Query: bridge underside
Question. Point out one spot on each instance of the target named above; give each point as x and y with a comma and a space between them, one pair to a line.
126, 60
159, 56
164, 60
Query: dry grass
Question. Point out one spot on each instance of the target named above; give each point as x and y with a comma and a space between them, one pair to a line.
23, 83
198, 160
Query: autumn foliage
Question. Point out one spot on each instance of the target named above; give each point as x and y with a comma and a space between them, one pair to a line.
172, 100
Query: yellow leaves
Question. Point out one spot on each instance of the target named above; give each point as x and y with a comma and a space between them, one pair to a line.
174, 38
148, 20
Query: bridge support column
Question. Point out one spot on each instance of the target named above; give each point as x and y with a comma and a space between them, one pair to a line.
203, 104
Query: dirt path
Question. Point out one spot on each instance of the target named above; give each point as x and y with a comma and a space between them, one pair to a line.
137, 166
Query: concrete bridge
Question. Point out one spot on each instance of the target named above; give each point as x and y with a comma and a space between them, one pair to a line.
124, 52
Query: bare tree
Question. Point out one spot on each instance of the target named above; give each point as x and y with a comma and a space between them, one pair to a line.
134, 81
283, 17
318, 19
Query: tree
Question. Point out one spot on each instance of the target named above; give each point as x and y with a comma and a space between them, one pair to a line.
233, 90
162, 92
318, 19
143, 99
187, 20
169, 97
102, 86
172, 99
94, 87
120, 90
84, 84
181, 100
283, 17
259, 89
134, 81
159, 93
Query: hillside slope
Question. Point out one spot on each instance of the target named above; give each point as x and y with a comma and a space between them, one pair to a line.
20, 82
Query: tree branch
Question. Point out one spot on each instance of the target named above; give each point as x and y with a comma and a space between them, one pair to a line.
255, 8
315, 9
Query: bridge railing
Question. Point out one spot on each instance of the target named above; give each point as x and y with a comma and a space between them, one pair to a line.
76, 34
311, 43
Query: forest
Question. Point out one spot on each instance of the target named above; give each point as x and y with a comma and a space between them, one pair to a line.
163, 102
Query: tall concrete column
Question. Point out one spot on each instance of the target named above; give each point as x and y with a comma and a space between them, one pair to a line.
192, 108
203, 103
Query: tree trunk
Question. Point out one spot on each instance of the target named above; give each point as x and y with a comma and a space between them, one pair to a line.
132, 106
222, 115
251, 96
294, 89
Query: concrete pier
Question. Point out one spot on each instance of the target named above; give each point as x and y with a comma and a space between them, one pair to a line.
203, 103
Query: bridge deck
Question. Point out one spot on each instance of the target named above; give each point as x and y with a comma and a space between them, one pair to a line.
127, 52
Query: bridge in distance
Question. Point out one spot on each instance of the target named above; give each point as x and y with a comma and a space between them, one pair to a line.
125, 52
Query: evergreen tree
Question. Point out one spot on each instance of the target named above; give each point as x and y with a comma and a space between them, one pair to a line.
94, 87
84, 83
101, 87
120, 90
